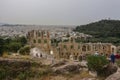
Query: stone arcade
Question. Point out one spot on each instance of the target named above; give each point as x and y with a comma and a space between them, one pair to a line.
68, 50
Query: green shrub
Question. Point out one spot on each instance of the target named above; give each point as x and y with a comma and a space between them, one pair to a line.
22, 76
25, 50
2, 74
11, 44
96, 63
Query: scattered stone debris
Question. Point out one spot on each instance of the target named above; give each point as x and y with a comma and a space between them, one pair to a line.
66, 67
93, 73
115, 76
59, 63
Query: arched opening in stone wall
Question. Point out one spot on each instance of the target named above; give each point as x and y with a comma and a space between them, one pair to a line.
39, 34
88, 48
84, 48
68, 56
99, 46
102, 54
71, 46
104, 49
80, 58
75, 57
78, 46
113, 50
61, 55
39, 40
34, 41
107, 55
95, 48
77, 54
73, 53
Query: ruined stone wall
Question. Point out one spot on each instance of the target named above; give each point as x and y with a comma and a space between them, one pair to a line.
78, 49
40, 39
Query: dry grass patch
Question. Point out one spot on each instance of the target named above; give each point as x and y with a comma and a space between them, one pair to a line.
85, 74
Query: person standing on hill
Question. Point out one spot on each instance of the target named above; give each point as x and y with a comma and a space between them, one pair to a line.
112, 57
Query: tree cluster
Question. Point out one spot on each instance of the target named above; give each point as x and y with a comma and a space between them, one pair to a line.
11, 44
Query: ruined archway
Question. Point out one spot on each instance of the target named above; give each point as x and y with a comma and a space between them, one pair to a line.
84, 48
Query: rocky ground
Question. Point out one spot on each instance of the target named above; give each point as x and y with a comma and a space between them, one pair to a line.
115, 76
46, 69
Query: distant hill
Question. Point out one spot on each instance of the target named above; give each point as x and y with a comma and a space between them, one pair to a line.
103, 31
103, 28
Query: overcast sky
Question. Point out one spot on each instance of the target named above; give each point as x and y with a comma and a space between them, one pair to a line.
58, 12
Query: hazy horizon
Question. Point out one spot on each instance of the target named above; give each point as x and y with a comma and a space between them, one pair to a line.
57, 12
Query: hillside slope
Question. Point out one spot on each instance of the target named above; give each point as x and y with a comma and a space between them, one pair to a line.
103, 31
103, 28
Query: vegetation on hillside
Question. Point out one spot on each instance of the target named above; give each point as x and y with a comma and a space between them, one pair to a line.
102, 31
97, 63
11, 44
25, 50
22, 70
